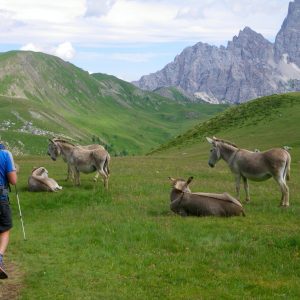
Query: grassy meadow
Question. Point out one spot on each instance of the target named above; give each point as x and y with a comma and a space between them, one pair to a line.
125, 243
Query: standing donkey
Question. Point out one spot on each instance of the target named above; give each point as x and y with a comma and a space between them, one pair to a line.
81, 160
70, 173
257, 166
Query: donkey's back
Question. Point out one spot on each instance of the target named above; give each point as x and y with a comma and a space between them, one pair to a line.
186, 203
205, 204
262, 165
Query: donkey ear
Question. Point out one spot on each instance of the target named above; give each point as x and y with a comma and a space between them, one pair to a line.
189, 180
51, 141
172, 179
209, 140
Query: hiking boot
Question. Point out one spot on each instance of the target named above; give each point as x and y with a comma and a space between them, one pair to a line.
3, 274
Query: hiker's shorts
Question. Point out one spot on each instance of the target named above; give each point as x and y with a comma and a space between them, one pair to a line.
5, 216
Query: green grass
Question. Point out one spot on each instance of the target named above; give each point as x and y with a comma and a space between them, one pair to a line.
126, 244
88, 243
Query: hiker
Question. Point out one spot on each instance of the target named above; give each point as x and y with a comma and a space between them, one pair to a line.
8, 176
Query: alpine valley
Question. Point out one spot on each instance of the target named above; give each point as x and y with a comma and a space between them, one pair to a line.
42, 96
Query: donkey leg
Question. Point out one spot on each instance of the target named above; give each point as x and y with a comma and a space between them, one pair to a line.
76, 177
237, 185
246, 188
103, 175
99, 164
286, 195
105, 178
96, 177
70, 175
284, 191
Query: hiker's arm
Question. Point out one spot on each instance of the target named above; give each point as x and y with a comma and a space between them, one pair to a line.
12, 177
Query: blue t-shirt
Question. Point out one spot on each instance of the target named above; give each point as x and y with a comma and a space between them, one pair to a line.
6, 165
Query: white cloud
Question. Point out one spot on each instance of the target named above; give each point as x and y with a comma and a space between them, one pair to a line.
31, 11
31, 47
65, 51
97, 8
90, 22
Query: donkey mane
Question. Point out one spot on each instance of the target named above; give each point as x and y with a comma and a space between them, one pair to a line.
225, 142
63, 141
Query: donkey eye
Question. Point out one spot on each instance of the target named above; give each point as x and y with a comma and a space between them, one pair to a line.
211, 150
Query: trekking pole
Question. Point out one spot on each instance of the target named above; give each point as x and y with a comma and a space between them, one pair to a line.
21, 218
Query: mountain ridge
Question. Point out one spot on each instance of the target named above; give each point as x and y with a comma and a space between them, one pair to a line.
249, 67
261, 117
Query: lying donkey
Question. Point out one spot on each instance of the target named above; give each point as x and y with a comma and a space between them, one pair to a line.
39, 181
186, 203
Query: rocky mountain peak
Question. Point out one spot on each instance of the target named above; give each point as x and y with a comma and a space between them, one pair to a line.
249, 67
288, 38
247, 32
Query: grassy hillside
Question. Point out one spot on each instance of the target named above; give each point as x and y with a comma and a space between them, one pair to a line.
42, 95
86, 243
176, 94
268, 121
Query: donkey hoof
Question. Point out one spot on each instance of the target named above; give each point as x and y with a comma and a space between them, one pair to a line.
284, 205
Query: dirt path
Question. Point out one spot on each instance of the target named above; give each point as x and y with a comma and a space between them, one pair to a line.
10, 288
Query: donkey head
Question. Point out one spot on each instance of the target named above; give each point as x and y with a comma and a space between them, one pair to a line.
40, 171
53, 150
215, 154
181, 184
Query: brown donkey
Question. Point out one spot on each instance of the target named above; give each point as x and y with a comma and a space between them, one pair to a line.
257, 166
186, 203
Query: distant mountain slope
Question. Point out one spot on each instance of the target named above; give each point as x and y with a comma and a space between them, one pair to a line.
176, 94
249, 67
43, 96
271, 119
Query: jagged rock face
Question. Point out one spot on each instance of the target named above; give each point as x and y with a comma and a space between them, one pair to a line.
288, 38
246, 69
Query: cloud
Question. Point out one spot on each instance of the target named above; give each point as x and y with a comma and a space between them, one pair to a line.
65, 50
31, 47
7, 20
97, 8
95, 22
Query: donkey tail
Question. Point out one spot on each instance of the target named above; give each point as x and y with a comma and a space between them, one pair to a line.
106, 164
287, 168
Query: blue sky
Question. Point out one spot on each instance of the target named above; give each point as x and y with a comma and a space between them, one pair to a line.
130, 38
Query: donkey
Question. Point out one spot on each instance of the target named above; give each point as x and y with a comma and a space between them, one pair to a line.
81, 160
257, 166
70, 169
186, 203
39, 181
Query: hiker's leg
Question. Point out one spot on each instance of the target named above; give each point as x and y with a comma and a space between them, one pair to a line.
4, 240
